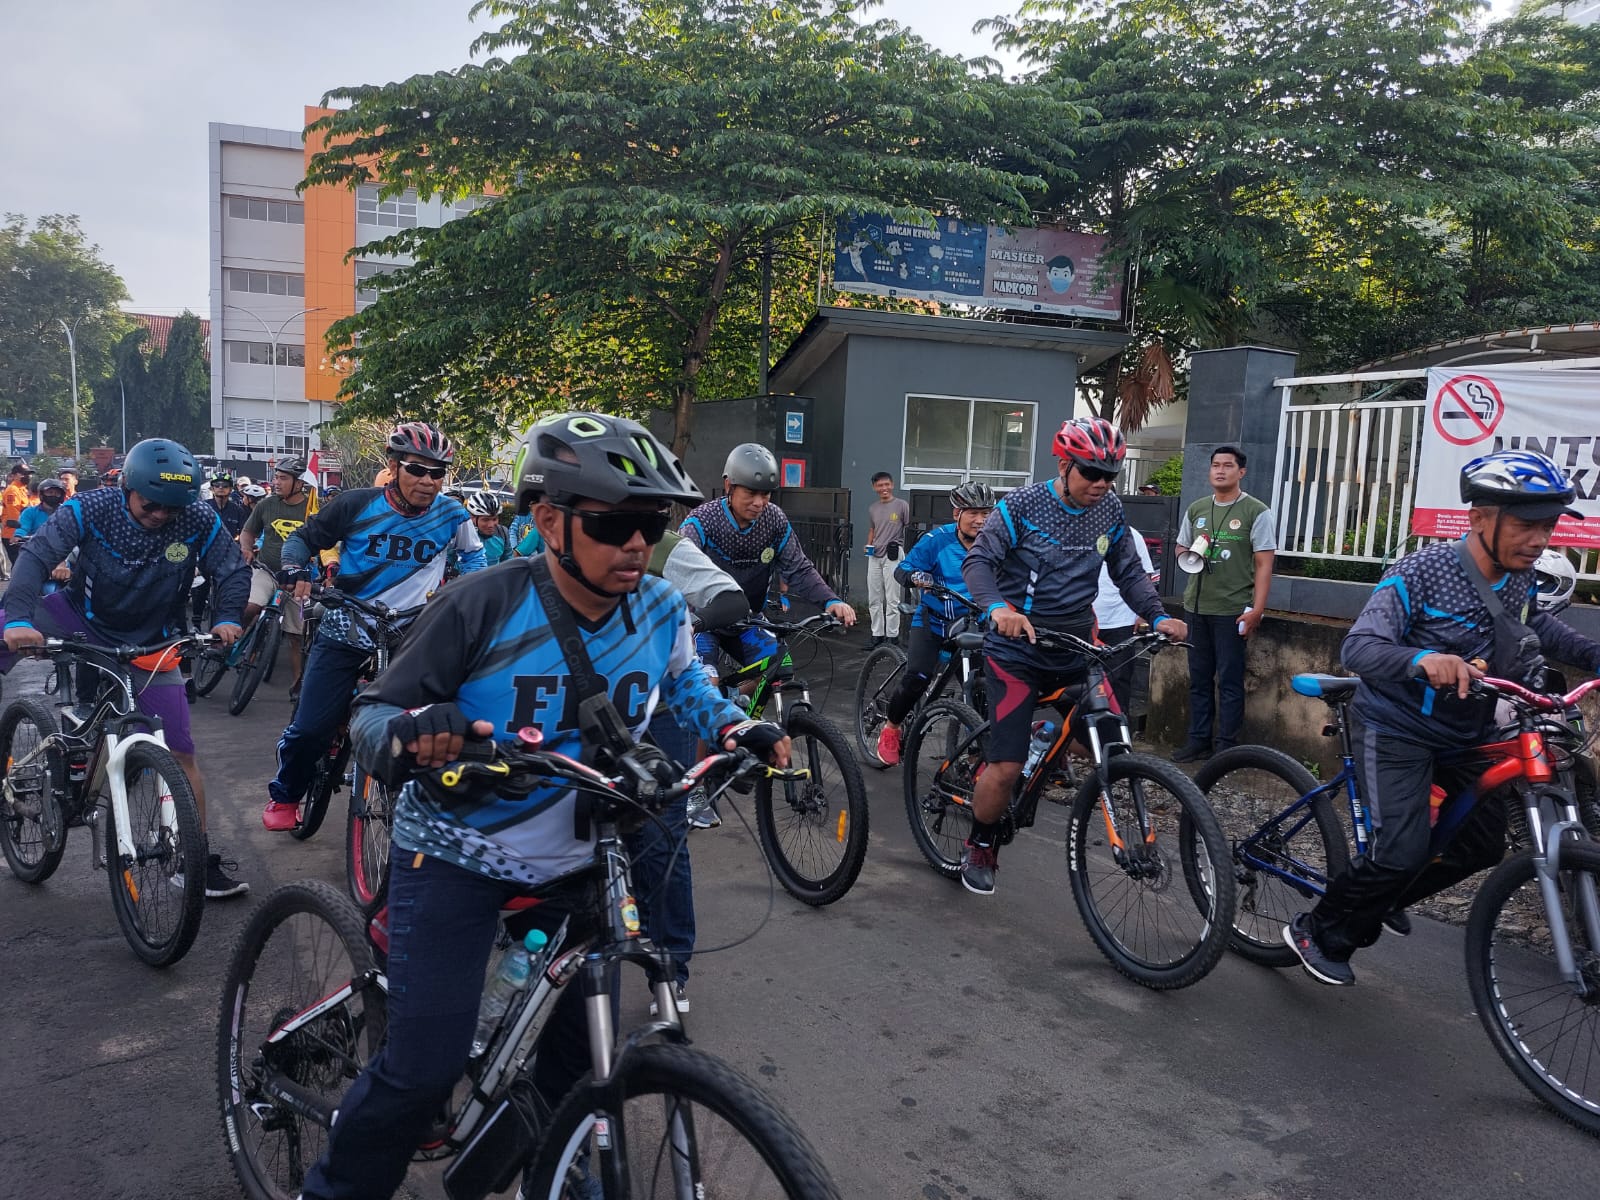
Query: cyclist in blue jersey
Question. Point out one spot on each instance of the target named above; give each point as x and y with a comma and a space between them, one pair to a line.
936, 558
1426, 632
482, 662
393, 541
485, 512
137, 547
1039, 558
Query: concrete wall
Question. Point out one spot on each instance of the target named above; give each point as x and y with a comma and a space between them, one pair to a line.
1231, 399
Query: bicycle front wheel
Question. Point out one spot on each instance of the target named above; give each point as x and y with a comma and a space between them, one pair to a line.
814, 831
1544, 1027
302, 945
33, 831
366, 844
159, 890
943, 753
258, 659
209, 667
690, 1126
1158, 905
1283, 852
319, 796
880, 676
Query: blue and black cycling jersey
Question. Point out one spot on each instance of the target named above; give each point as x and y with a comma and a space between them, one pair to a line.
233, 515
939, 553
751, 553
486, 644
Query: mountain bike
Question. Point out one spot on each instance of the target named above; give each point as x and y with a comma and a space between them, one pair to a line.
812, 828
961, 658
252, 656
1144, 851
1533, 933
104, 764
304, 1009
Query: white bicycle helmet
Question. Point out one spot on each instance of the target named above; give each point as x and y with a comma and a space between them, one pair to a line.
254, 490
1556, 579
483, 504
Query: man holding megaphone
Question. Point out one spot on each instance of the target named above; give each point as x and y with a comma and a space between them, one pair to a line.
1226, 544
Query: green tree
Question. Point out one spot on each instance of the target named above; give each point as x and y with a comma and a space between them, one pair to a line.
127, 381
644, 153
50, 271
178, 398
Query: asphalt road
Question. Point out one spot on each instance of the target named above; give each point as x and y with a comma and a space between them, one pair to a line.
932, 1043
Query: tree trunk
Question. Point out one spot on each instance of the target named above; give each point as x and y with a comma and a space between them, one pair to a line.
694, 352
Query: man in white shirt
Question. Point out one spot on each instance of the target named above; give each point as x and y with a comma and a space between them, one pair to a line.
1117, 622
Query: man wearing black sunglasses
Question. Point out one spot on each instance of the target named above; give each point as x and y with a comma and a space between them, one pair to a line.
1039, 558
393, 547
481, 662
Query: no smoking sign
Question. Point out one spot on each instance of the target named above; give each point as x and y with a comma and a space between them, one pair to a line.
1467, 410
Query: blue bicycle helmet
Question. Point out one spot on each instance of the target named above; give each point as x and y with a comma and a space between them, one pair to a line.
1522, 480
162, 472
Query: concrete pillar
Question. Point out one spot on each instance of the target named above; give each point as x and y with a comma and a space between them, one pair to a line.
1232, 400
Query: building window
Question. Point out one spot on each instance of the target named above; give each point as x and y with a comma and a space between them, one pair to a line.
364, 271
255, 433
400, 212
951, 439
467, 204
281, 212
266, 283
260, 354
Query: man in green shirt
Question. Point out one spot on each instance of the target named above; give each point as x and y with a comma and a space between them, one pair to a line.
1236, 536
271, 521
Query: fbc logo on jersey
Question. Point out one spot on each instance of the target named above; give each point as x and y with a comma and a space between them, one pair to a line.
396, 547
541, 697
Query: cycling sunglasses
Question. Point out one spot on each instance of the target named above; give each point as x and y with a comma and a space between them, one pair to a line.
616, 526
1095, 474
418, 470
150, 508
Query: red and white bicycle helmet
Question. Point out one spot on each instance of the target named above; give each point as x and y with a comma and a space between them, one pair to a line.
1091, 442
423, 440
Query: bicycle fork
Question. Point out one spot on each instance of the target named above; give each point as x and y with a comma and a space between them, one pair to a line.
1586, 902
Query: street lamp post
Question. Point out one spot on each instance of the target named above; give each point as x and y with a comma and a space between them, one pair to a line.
277, 427
72, 353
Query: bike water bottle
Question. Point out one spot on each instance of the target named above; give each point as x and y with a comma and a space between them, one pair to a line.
1044, 733
510, 977
1436, 798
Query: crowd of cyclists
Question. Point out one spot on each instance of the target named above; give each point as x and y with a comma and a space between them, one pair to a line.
584, 582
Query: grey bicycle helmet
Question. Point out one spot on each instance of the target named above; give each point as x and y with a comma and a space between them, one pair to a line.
291, 466
753, 466
582, 455
972, 495
483, 504
163, 472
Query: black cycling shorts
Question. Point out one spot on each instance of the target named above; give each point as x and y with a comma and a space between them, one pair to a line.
1014, 691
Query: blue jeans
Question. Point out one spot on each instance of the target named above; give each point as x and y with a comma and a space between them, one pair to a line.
442, 922
326, 689
1216, 660
666, 893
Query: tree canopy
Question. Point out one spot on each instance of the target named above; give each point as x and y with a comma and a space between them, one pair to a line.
643, 153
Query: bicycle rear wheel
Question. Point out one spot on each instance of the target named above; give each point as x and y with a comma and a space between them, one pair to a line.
33, 831
1547, 1033
943, 753
259, 656
690, 1125
814, 831
1282, 860
209, 667
305, 943
319, 796
1125, 856
366, 843
160, 891
880, 676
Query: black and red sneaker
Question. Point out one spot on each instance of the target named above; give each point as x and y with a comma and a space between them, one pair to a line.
978, 865
1297, 934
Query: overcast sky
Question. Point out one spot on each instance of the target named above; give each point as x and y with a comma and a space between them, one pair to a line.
106, 102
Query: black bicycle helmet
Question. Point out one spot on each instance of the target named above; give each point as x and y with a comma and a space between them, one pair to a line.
291, 466
222, 477
582, 455
423, 440
52, 485
1521, 480
163, 472
972, 495
753, 466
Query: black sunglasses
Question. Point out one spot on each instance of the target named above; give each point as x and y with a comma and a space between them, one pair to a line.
616, 526
1095, 474
418, 470
150, 508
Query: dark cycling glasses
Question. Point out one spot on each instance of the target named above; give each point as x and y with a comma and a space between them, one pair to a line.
418, 470
150, 508
1095, 474
616, 526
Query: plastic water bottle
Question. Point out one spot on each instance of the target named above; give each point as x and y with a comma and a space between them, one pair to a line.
1242, 615
1044, 734
510, 977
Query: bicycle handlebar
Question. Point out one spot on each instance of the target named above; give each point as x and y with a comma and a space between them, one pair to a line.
53, 646
331, 597
1538, 701
1096, 650
815, 623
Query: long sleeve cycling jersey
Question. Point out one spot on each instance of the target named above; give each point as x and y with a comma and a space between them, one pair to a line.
130, 584
939, 553
486, 644
1042, 556
1425, 604
385, 555
233, 515
751, 552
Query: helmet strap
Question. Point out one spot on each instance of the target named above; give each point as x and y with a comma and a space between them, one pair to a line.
571, 567
1492, 546
391, 493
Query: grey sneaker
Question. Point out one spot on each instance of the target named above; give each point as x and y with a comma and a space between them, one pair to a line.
978, 865
699, 800
1398, 923
1297, 934
679, 994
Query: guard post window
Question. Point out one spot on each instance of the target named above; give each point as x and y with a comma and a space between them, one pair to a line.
952, 439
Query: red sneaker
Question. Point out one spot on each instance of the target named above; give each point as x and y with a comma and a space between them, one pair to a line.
889, 745
280, 818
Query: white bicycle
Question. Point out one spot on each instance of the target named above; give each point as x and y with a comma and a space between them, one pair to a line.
103, 764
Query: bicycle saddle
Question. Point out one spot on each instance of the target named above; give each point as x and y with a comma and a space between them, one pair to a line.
1331, 688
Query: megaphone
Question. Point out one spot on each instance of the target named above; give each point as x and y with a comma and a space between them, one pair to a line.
1193, 560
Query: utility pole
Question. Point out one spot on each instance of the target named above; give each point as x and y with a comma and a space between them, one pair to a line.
72, 353
274, 336
766, 314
